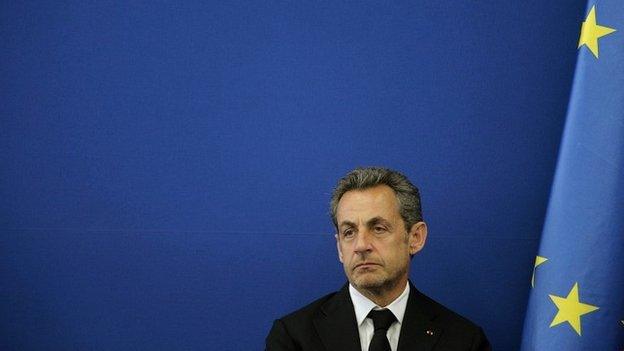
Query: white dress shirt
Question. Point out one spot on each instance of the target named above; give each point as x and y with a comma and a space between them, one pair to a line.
363, 306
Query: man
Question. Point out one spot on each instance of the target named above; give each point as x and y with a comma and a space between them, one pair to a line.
379, 228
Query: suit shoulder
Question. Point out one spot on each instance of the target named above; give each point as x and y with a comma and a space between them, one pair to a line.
448, 316
308, 311
295, 331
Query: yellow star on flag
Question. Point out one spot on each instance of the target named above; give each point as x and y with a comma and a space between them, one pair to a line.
570, 309
538, 260
591, 31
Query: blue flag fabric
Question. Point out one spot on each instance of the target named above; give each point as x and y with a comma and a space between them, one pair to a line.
577, 295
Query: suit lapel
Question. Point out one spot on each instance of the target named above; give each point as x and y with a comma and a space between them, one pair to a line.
336, 324
419, 332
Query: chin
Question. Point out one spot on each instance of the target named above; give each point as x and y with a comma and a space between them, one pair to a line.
375, 282
369, 282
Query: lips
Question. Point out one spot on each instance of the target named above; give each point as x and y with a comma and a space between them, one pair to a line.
366, 265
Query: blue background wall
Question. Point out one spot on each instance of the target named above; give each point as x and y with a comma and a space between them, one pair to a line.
166, 167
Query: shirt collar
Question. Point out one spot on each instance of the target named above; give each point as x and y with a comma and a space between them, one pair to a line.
363, 305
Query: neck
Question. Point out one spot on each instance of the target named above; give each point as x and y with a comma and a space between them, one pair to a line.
383, 297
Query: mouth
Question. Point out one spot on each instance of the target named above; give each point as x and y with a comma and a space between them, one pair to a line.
366, 265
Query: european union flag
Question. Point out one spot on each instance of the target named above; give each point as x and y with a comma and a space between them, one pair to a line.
577, 296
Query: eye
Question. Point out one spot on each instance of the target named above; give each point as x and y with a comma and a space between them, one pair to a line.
348, 233
379, 229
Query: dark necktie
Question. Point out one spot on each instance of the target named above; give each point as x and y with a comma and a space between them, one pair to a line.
382, 320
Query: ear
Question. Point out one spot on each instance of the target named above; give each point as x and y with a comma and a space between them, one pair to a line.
417, 237
338, 247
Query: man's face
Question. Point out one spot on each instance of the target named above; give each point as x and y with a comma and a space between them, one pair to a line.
373, 244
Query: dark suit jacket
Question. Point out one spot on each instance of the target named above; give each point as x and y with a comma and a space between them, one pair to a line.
328, 324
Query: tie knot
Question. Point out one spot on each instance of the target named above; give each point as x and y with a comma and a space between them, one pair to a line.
382, 319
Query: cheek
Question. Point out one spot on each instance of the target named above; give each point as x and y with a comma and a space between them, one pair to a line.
345, 251
396, 253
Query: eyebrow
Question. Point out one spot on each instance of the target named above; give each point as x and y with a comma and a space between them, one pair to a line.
346, 223
378, 220
370, 223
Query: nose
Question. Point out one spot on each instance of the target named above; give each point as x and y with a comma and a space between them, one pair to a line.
363, 242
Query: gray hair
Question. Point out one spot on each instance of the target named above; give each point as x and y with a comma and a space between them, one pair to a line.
364, 178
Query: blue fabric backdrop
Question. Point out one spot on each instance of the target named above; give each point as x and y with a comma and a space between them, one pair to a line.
166, 167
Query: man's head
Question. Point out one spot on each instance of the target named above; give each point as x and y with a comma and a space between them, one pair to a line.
364, 178
379, 226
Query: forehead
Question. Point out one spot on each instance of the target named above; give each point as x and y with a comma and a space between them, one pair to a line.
372, 202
